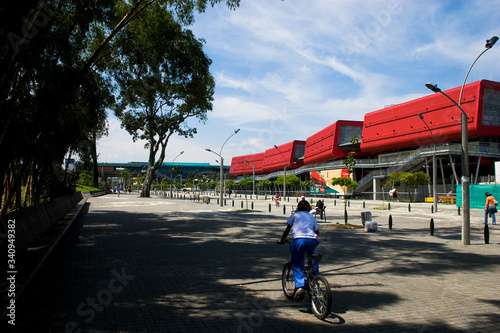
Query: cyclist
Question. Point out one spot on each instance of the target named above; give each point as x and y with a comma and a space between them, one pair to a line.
305, 231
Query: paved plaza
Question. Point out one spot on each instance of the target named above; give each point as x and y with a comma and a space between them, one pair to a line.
132, 264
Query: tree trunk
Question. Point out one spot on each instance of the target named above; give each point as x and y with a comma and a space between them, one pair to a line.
66, 166
94, 160
146, 185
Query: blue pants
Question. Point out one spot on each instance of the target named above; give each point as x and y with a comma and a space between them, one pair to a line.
491, 210
299, 247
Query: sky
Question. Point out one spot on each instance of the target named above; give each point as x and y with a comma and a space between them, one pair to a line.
287, 69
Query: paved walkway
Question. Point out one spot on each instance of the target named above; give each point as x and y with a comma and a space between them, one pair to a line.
161, 265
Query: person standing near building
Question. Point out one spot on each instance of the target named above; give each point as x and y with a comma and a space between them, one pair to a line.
490, 208
277, 199
394, 194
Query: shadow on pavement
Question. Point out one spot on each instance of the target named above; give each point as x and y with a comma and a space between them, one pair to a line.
211, 271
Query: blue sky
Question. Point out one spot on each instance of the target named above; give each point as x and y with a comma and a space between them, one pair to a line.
286, 69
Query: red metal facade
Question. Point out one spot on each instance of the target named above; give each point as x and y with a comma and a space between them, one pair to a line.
273, 159
395, 127
399, 126
324, 145
241, 165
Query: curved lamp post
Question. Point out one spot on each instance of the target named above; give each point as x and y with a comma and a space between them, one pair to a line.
182, 152
284, 173
221, 185
434, 166
465, 148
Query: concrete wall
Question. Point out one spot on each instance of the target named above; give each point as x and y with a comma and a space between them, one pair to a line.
31, 223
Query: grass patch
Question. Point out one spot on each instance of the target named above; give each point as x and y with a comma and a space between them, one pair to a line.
245, 210
84, 188
382, 208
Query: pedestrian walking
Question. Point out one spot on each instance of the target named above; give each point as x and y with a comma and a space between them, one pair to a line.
490, 208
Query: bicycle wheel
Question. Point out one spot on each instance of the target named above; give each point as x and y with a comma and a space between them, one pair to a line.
287, 281
321, 297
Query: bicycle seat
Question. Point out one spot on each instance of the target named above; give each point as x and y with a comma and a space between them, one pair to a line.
315, 256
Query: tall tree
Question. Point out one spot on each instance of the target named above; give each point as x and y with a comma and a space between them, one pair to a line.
164, 80
53, 56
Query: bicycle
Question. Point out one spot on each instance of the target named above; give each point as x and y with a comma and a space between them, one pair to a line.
317, 287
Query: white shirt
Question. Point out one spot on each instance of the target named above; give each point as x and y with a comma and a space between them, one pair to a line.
303, 225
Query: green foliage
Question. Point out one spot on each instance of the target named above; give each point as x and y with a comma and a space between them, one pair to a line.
264, 183
175, 170
125, 175
415, 179
230, 184
291, 180
164, 80
85, 179
393, 179
246, 183
213, 184
191, 176
346, 183
412, 179
307, 184
350, 161
57, 61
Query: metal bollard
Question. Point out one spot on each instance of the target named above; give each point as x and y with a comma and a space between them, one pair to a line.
389, 206
431, 227
390, 222
284, 209
364, 205
242, 204
251, 205
486, 234
458, 210
409, 207
269, 208
432, 209
232, 203
335, 202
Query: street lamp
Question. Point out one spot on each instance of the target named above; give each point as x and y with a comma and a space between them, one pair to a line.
182, 152
465, 149
284, 173
221, 185
253, 179
434, 166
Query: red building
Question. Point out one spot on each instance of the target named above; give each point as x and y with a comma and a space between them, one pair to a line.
241, 165
326, 145
399, 126
290, 154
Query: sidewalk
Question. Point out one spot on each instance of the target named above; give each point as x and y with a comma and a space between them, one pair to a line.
165, 265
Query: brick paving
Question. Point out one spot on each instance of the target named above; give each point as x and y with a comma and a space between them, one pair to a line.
167, 265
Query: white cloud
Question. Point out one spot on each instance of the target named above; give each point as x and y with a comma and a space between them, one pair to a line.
119, 147
285, 69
